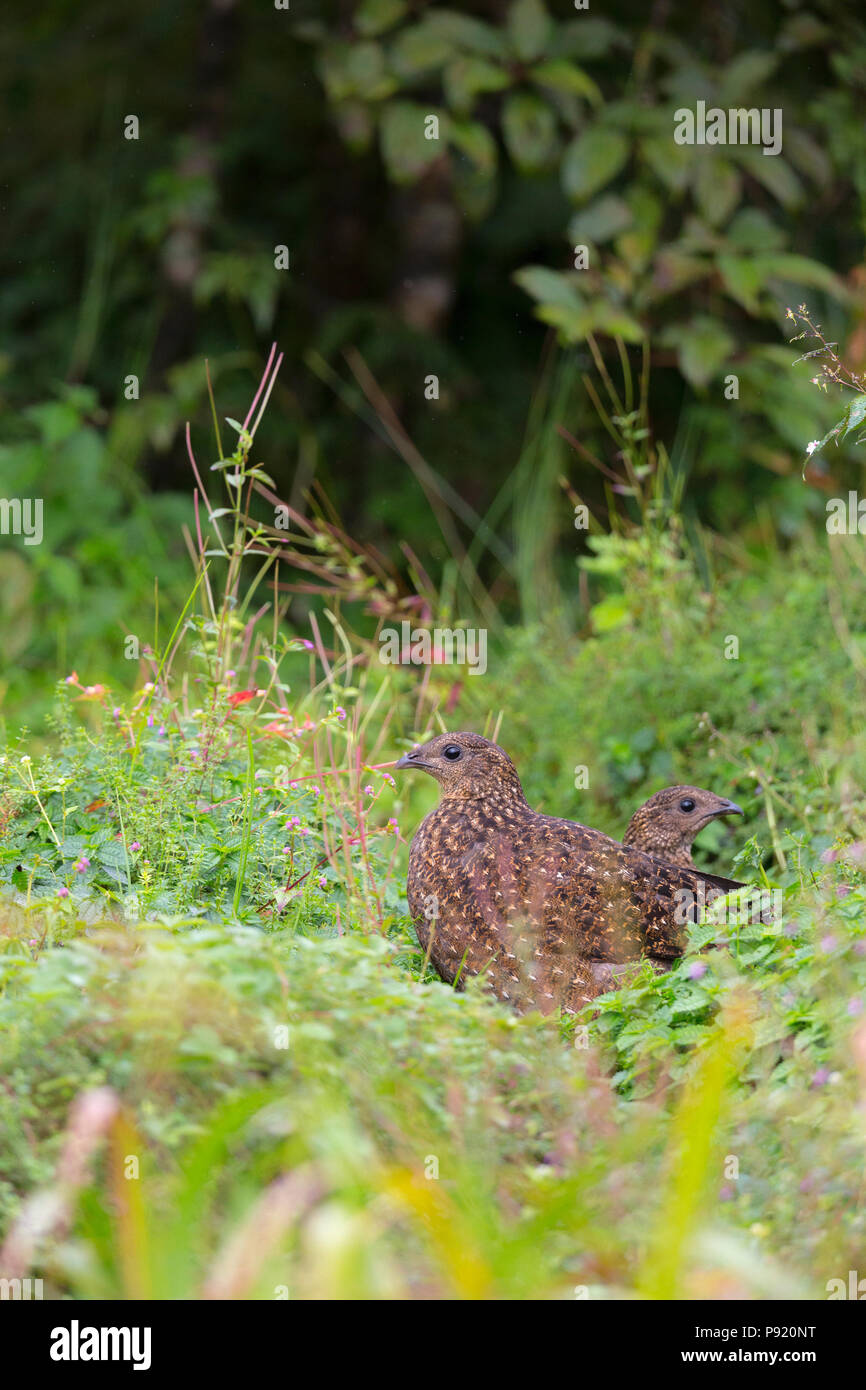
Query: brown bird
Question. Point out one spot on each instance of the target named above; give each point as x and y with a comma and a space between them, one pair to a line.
667, 824
534, 902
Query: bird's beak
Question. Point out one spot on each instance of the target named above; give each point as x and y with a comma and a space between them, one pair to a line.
731, 808
410, 760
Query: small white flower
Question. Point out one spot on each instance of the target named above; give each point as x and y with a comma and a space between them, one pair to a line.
810, 448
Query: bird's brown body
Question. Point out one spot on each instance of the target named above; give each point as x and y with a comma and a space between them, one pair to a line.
534, 902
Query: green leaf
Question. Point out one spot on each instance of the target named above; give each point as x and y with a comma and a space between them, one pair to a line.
552, 286
703, 346
375, 16
605, 218
610, 613
589, 37
592, 160
356, 69
854, 415
475, 141
671, 163
466, 33
405, 148
529, 131
717, 188
529, 29
752, 230
419, 49
466, 77
743, 280
801, 270
771, 171
747, 71
565, 77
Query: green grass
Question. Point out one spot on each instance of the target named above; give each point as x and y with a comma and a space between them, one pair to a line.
221, 1054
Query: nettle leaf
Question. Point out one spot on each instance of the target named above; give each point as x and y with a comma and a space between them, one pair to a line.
405, 148
703, 347
592, 160
565, 77
530, 29
854, 416
529, 131
601, 220
466, 77
717, 188
375, 16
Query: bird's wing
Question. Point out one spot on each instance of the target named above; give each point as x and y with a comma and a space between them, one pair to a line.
614, 902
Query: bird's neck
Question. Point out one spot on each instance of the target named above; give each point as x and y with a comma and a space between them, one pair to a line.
506, 795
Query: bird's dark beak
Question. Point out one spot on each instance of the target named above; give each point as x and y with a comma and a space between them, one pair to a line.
410, 760
731, 809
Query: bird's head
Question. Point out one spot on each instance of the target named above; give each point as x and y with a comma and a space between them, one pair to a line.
467, 766
668, 823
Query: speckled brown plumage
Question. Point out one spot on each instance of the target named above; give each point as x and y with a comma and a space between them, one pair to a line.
532, 901
667, 824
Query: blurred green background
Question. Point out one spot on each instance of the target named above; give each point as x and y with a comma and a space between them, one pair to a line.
303, 128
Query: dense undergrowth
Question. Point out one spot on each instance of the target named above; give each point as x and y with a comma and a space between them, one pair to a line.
225, 1071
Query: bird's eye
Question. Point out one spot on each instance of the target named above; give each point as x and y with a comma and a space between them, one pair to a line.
451, 752
687, 804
